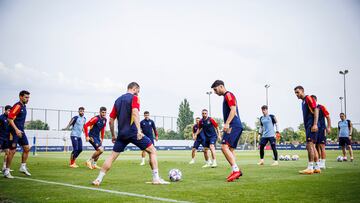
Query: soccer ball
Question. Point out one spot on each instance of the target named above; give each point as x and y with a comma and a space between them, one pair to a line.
281, 158
175, 175
295, 157
339, 158
287, 157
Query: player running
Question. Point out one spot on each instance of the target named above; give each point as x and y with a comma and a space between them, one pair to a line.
232, 128
97, 126
198, 140
211, 133
345, 132
16, 119
4, 135
267, 132
147, 127
77, 123
310, 115
323, 130
126, 111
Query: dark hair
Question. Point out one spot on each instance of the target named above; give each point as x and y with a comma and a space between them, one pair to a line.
146, 112
342, 114
7, 107
81, 108
299, 87
197, 118
314, 97
205, 110
132, 85
264, 107
24, 92
102, 109
217, 83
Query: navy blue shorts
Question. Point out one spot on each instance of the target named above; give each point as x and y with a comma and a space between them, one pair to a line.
231, 139
151, 139
265, 140
321, 137
76, 143
121, 143
4, 143
311, 136
197, 143
95, 142
344, 141
15, 140
209, 141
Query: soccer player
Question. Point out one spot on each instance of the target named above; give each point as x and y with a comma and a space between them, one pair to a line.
4, 134
16, 119
198, 140
97, 126
126, 111
310, 115
345, 132
147, 127
267, 132
77, 123
211, 133
232, 128
323, 130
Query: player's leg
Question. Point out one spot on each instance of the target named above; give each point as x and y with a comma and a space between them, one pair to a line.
323, 156
9, 159
275, 153
208, 162
193, 151
213, 151
206, 155
143, 153
350, 150
23, 141
310, 139
263, 142
80, 148
96, 157
106, 167
74, 144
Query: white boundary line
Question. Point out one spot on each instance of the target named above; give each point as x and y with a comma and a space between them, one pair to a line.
103, 190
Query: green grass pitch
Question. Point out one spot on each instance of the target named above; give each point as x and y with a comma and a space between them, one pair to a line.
340, 182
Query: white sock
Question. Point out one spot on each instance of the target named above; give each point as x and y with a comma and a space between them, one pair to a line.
317, 165
4, 165
155, 174
7, 170
214, 161
143, 160
235, 168
323, 162
101, 176
311, 165
23, 165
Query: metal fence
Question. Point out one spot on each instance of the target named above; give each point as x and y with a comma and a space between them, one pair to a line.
58, 119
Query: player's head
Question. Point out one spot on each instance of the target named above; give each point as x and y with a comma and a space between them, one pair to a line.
204, 113
299, 92
219, 87
197, 119
265, 110
342, 116
7, 109
103, 112
24, 96
146, 115
133, 88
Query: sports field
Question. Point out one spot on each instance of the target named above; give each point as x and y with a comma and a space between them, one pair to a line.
53, 181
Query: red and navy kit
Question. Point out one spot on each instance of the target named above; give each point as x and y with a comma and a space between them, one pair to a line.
208, 126
18, 115
236, 128
308, 108
97, 125
4, 132
148, 127
323, 113
127, 131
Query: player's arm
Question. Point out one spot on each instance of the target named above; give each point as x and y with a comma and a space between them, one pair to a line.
328, 120
276, 125
198, 130
70, 124
312, 104
113, 116
216, 126
87, 125
103, 132
155, 131
12, 115
351, 129
136, 116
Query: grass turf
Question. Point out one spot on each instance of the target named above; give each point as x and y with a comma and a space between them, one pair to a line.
340, 182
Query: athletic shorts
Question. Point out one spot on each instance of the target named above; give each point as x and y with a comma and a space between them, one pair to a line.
311, 136
231, 139
197, 143
4, 143
15, 140
265, 140
209, 141
121, 143
95, 142
344, 141
321, 137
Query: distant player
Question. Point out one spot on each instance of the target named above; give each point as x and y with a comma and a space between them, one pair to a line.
310, 115
198, 140
77, 123
126, 111
323, 131
148, 128
232, 128
267, 132
97, 126
345, 132
211, 133
16, 119
4, 134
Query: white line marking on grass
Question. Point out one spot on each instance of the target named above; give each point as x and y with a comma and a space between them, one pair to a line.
104, 190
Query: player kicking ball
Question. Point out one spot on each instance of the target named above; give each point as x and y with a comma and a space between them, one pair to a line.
232, 128
126, 112
97, 125
267, 132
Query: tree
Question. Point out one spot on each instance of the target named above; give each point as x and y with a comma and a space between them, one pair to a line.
220, 122
246, 127
188, 132
185, 118
36, 125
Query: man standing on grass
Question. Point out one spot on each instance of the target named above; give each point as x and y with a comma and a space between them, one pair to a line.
198, 140
4, 135
345, 132
126, 111
147, 127
97, 126
232, 128
310, 115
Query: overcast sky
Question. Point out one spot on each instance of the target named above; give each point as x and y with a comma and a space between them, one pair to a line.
74, 53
